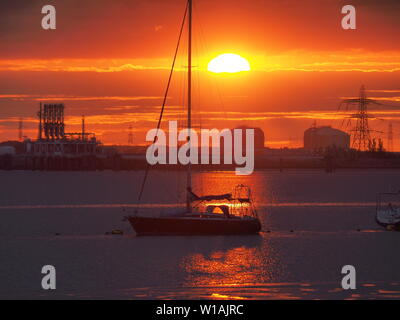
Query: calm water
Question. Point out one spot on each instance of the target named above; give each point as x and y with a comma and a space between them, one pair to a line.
313, 224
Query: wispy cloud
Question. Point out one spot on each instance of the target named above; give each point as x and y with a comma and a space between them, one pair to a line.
352, 60
84, 65
383, 91
24, 97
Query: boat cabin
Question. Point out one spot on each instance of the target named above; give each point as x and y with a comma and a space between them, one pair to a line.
230, 205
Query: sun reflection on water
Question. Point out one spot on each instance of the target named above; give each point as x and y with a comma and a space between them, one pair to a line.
247, 261
230, 268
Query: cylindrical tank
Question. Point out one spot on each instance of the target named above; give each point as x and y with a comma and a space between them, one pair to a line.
323, 137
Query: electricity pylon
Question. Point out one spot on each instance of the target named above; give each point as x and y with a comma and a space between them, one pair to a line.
361, 132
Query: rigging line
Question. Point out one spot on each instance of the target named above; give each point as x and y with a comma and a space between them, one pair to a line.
165, 99
214, 84
180, 115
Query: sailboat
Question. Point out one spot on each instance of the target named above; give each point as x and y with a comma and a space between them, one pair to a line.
388, 210
226, 214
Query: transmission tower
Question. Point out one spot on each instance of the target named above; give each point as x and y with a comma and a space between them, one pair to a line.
20, 129
361, 132
130, 136
390, 138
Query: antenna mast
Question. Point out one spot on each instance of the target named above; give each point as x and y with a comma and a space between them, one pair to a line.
130, 135
390, 138
83, 129
40, 122
20, 129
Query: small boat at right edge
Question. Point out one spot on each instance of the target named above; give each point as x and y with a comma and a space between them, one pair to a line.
388, 210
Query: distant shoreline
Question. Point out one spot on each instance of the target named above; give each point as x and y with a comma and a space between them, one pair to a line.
122, 162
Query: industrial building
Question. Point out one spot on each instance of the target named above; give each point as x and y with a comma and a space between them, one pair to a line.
320, 138
56, 149
259, 137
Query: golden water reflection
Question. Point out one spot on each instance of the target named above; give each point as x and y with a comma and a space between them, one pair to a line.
224, 182
233, 267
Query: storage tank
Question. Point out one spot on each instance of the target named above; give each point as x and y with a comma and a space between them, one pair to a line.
316, 138
259, 137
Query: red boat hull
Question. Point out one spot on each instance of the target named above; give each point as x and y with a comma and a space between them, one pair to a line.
166, 226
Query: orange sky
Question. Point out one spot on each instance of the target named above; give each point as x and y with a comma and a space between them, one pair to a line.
109, 60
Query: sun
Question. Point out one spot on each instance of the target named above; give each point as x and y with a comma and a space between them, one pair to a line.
229, 63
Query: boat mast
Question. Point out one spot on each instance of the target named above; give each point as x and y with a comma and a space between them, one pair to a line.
165, 99
189, 119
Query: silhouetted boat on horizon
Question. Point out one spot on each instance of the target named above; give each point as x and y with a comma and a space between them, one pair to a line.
388, 210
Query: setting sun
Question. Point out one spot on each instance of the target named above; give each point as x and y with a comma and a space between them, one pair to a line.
228, 62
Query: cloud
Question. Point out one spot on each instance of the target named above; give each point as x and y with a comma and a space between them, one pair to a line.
131, 29
81, 65
76, 98
357, 60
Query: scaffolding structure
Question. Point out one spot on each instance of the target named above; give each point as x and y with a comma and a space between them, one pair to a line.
54, 141
52, 121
